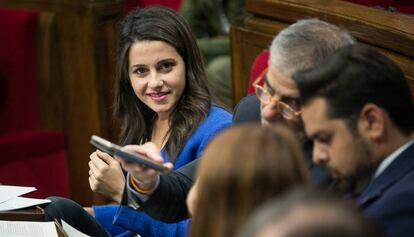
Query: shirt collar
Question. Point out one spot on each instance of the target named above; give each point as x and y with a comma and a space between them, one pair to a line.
387, 161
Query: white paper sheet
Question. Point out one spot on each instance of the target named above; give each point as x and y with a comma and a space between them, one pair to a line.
8, 192
21, 202
27, 229
72, 232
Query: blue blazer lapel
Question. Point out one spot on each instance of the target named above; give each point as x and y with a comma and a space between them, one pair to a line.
394, 172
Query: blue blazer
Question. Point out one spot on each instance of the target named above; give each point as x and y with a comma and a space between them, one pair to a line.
389, 198
118, 219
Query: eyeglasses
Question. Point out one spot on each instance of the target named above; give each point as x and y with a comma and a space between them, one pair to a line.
265, 97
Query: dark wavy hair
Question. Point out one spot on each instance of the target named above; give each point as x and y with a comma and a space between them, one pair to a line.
158, 23
353, 77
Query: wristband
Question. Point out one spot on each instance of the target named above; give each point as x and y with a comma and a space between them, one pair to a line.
136, 186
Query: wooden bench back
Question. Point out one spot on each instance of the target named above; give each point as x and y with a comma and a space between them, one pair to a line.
391, 33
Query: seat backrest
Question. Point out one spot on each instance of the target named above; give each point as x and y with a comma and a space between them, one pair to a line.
18, 109
259, 65
173, 4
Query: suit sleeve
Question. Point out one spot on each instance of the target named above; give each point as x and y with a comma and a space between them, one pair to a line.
167, 202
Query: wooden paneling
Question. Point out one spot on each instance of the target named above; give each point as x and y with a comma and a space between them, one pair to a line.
49, 78
75, 74
392, 33
248, 36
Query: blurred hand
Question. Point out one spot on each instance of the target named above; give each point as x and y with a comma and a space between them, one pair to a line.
105, 176
90, 211
145, 177
269, 113
191, 200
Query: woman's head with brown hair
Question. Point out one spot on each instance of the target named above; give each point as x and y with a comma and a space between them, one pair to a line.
242, 168
191, 103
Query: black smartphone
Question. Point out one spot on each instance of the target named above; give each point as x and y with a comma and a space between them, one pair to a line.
114, 149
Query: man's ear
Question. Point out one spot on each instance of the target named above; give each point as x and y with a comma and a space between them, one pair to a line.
371, 122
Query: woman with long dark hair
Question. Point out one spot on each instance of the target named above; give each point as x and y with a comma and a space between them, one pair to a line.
161, 97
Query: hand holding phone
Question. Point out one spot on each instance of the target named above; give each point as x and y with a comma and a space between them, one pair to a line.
116, 150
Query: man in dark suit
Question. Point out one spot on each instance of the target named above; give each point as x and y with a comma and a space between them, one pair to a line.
358, 110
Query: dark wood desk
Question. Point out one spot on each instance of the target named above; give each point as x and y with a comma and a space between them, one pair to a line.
26, 214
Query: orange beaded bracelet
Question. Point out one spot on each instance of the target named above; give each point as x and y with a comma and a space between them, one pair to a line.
136, 186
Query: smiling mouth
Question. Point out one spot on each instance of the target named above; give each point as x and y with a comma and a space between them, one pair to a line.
159, 96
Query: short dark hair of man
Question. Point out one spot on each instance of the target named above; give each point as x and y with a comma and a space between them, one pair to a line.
309, 213
354, 76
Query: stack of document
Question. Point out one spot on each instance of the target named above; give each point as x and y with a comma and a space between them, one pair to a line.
10, 198
36, 229
28, 229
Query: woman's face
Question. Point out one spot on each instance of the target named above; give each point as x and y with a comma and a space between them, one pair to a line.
157, 74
